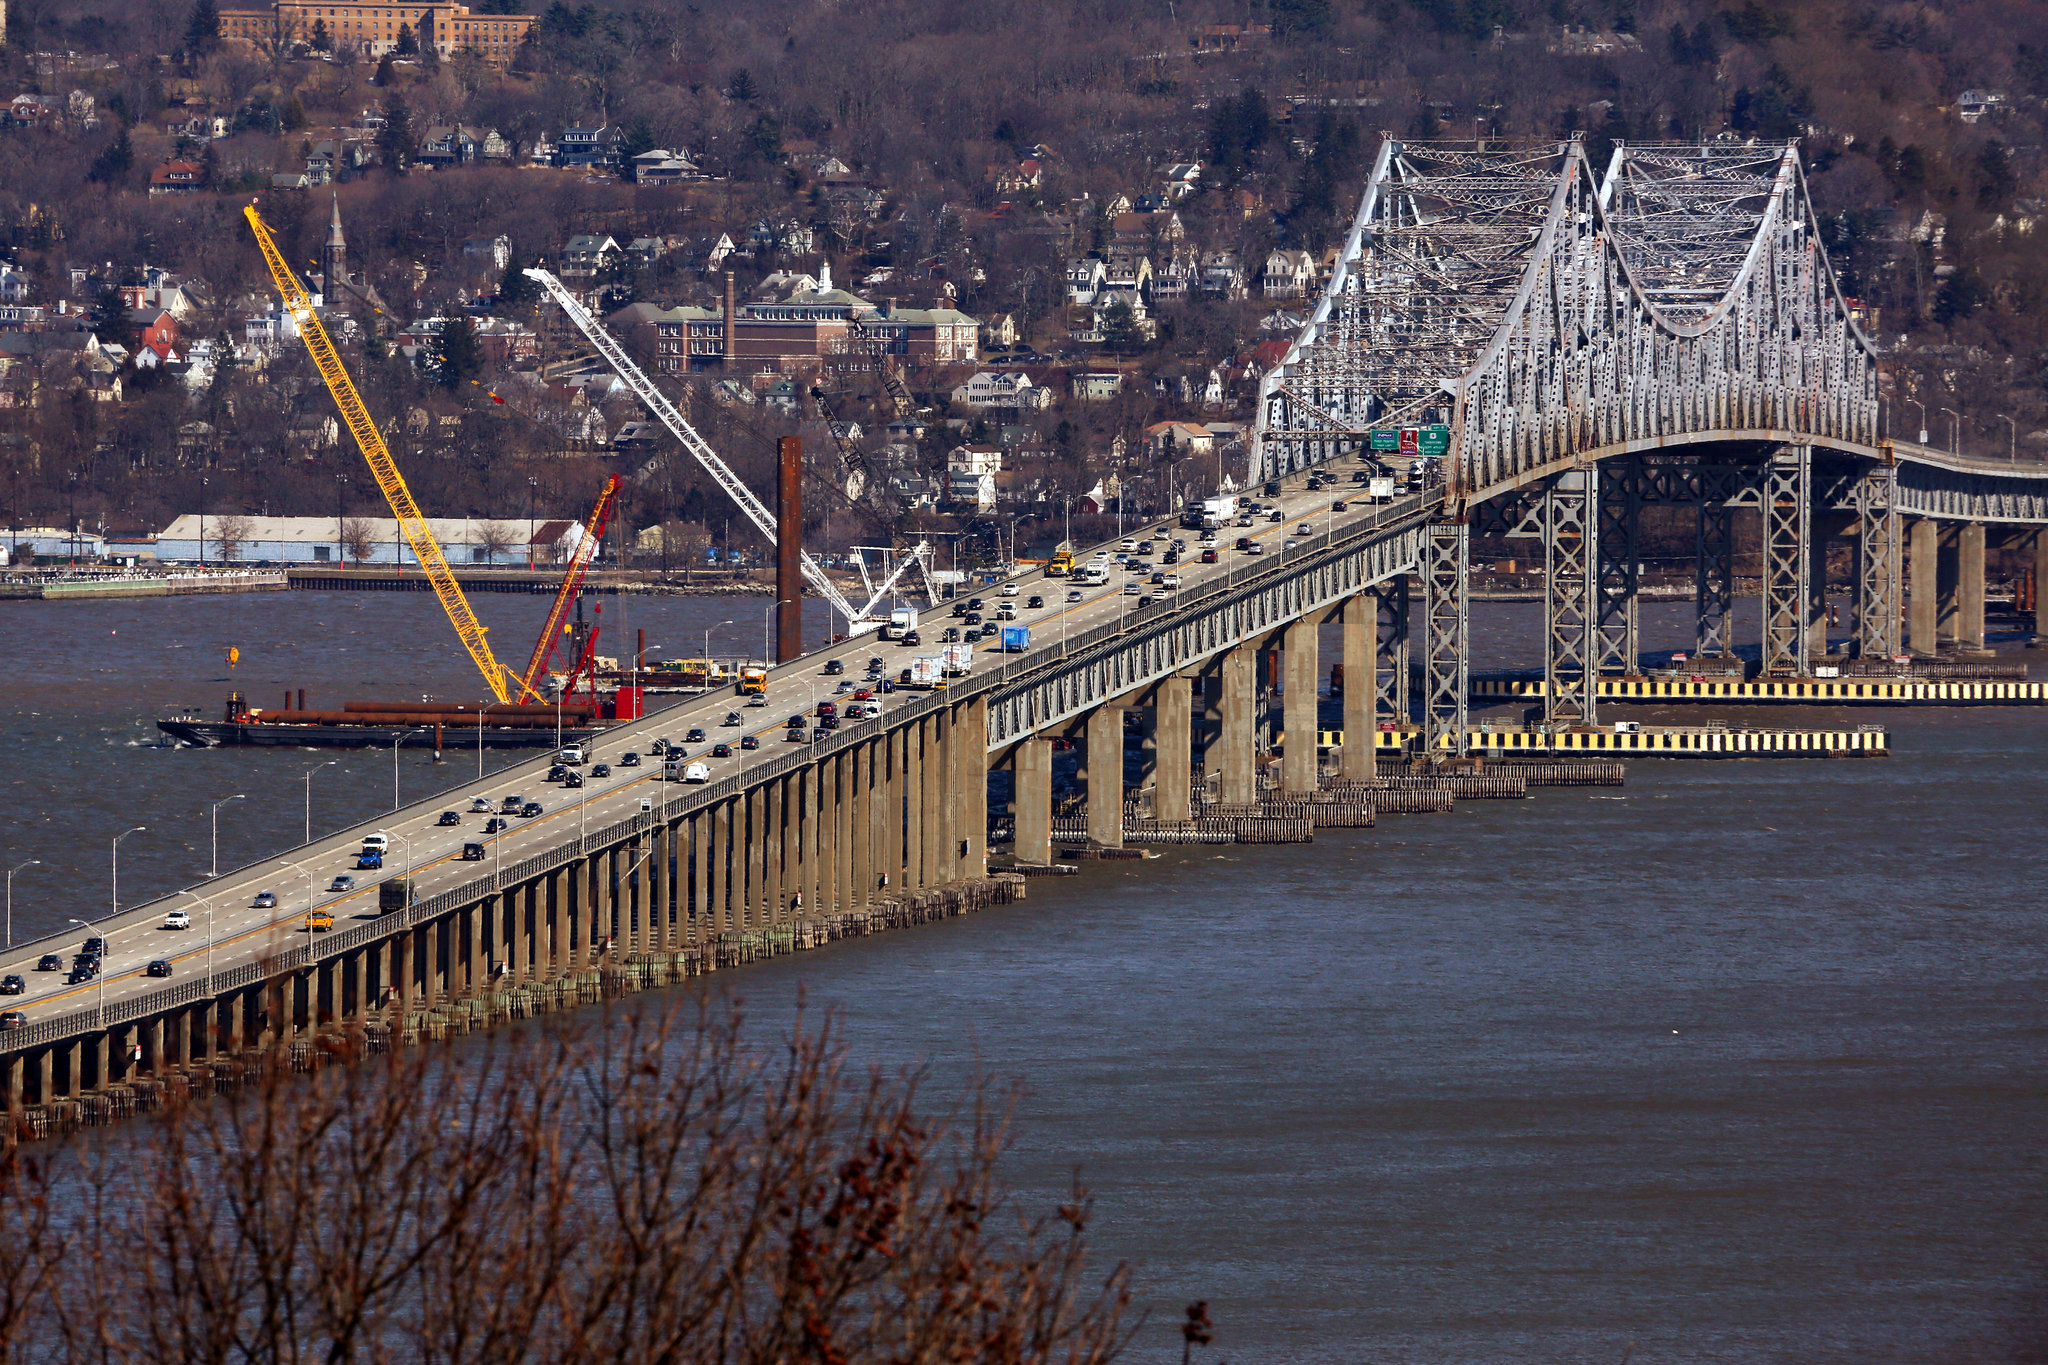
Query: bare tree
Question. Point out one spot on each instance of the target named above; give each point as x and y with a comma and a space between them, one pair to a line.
231, 533
494, 537
646, 1188
358, 538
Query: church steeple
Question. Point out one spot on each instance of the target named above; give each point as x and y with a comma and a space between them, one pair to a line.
334, 256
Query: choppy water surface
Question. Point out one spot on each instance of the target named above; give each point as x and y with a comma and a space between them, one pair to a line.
1743, 1062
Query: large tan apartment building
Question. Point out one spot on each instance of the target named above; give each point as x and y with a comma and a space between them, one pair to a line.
450, 28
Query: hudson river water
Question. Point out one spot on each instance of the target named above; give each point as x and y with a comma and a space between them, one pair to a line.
1743, 1062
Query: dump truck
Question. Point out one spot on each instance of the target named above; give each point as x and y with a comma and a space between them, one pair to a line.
394, 895
1062, 562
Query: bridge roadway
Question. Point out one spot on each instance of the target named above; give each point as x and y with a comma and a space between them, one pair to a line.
233, 942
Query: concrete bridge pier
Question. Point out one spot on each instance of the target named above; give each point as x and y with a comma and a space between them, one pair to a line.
1923, 597
1356, 759
1970, 585
1303, 725
1031, 799
1173, 748
1232, 755
1106, 776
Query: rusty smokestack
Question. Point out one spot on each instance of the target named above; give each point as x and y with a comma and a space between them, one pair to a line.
789, 540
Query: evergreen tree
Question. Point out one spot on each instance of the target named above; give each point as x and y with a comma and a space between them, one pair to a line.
295, 115
741, 89
111, 322
202, 29
395, 139
407, 45
515, 288
1120, 327
114, 161
639, 138
320, 41
383, 76
457, 357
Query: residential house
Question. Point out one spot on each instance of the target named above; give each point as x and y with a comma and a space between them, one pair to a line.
1096, 386
335, 159
1176, 439
586, 254
177, 177
1223, 274
1084, 280
971, 475
29, 111
1182, 180
664, 167
863, 202
1974, 106
504, 341
290, 180
14, 286
457, 145
1288, 275
588, 145
1230, 37
999, 333
155, 326
1001, 389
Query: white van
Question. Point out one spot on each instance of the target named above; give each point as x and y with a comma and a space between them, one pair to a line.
379, 841
697, 772
672, 770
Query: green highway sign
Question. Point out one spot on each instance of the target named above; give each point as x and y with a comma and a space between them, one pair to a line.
1436, 441
1386, 440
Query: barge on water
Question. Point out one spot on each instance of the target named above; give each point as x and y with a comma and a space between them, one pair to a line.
371, 724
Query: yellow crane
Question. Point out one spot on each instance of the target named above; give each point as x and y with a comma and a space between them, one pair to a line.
411, 523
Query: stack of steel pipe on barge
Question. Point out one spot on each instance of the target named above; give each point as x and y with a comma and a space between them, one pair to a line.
367, 724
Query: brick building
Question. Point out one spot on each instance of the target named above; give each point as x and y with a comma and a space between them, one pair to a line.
450, 28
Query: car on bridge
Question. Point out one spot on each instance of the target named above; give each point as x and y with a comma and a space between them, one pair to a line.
265, 900
1075, 594
721, 751
13, 1019
12, 985
159, 966
370, 860
1034, 603
531, 809
472, 852
1254, 548
342, 882
448, 819
177, 919
750, 741
794, 735
601, 770
511, 804
480, 805
696, 735
834, 667
50, 962
572, 781
1276, 516
496, 824
629, 759
83, 972
732, 718
319, 921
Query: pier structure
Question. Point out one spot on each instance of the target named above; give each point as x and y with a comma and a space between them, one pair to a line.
1504, 301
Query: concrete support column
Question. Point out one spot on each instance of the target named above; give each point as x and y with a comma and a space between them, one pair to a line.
1106, 777
1232, 754
1173, 740
2041, 585
972, 745
755, 805
701, 926
861, 827
1970, 585
945, 799
772, 850
1947, 604
931, 773
656, 881
1923, 596
401, 970
1303, 725
1361, 689
912, 781
44, 1077
1031, 800
70, 1056
844, 803
717, 825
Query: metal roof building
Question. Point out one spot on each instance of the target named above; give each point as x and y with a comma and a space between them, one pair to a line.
215, 538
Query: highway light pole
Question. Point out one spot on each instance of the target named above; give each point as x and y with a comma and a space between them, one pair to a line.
2012, 452
298, 868
707, 644
394, 763
479, 737
105, 953
117, 863
1923, 418
309, 794
214, 818
10, 897
1955, 431
207, 906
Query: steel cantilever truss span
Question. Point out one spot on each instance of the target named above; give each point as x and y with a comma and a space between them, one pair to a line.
1546, 317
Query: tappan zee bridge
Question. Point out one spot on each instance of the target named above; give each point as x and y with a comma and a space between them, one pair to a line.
1571, 343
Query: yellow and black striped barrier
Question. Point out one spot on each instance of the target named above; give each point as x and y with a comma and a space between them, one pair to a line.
1671, 742
1827, 691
